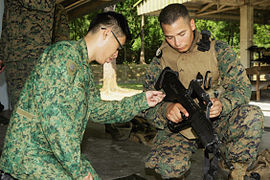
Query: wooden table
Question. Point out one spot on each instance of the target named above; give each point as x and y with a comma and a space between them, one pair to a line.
258, 70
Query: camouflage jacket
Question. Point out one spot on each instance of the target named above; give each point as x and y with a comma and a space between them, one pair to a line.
47, 125
27, 29
233, 79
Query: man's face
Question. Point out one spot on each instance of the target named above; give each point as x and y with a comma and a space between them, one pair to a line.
112, 44
179, 34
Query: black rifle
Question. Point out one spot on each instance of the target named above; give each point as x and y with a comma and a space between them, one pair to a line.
198, 117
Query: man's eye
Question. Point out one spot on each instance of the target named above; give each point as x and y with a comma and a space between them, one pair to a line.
169, 38
182, 34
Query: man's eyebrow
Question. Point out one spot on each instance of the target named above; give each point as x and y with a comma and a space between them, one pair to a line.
168, 35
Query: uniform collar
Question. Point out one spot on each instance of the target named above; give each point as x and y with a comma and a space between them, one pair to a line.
82, 48
196, 36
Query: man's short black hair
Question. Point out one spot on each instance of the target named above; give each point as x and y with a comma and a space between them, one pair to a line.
111, 19
172, 12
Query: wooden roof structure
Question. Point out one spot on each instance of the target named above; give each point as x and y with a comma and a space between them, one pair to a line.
210, 9
78, 8
245, 11
201, 9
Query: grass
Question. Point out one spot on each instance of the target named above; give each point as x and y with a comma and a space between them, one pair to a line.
127, 86
132, 86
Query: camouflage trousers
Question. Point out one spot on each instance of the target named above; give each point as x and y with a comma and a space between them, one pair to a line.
16, 74
240, 131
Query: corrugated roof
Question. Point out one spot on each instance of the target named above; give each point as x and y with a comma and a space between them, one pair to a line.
210, 9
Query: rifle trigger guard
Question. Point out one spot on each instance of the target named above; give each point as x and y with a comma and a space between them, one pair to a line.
208, 110
208, 86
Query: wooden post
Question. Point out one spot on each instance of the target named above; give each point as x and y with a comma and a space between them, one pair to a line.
246, 32
142, 60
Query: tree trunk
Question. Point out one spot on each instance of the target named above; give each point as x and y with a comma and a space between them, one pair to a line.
142, 59
109, 77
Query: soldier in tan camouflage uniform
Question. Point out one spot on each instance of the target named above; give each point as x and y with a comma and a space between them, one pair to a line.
27, 31
47, 125
240, 125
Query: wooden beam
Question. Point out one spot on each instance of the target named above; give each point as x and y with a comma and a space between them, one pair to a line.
255, 3
90, 6
59, 1
76, 4
220, 7
223, 2
206, 7
216, 11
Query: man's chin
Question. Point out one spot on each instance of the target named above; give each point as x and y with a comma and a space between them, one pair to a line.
109, 60
181, 50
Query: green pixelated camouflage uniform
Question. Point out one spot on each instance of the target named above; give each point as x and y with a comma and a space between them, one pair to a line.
240, 126
27, 31
47, 125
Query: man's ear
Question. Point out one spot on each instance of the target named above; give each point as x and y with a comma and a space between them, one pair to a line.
192, 24
105, 33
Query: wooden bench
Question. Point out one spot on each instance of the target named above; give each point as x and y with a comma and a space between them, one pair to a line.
258, 84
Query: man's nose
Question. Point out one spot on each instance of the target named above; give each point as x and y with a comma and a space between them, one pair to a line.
177, 41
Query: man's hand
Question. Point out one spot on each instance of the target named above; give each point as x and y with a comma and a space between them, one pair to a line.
88, 177
154, 97
173, 112
2, 67
216, 108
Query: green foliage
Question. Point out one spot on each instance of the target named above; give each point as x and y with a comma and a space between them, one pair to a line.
79, 27
152, 33
261, 35
153, 37
222, 30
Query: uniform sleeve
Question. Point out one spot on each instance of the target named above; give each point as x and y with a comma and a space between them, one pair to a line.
233, 78
116, 111
155, 115
59, 123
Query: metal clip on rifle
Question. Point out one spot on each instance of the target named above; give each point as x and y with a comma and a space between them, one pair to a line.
198, 117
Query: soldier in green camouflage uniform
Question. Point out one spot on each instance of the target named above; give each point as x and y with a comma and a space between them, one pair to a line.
59, 97
240, 125
27, 31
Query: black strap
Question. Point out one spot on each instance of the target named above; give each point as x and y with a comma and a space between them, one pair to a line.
204, 44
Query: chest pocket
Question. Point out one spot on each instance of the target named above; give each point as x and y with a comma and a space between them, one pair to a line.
190, 64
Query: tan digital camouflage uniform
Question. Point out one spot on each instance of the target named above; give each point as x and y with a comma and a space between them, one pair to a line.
27, 31
47, 125
240, 126
60, 24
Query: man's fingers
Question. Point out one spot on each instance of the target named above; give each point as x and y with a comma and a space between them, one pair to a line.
88, 177
154, 97
173, 112
216, 108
